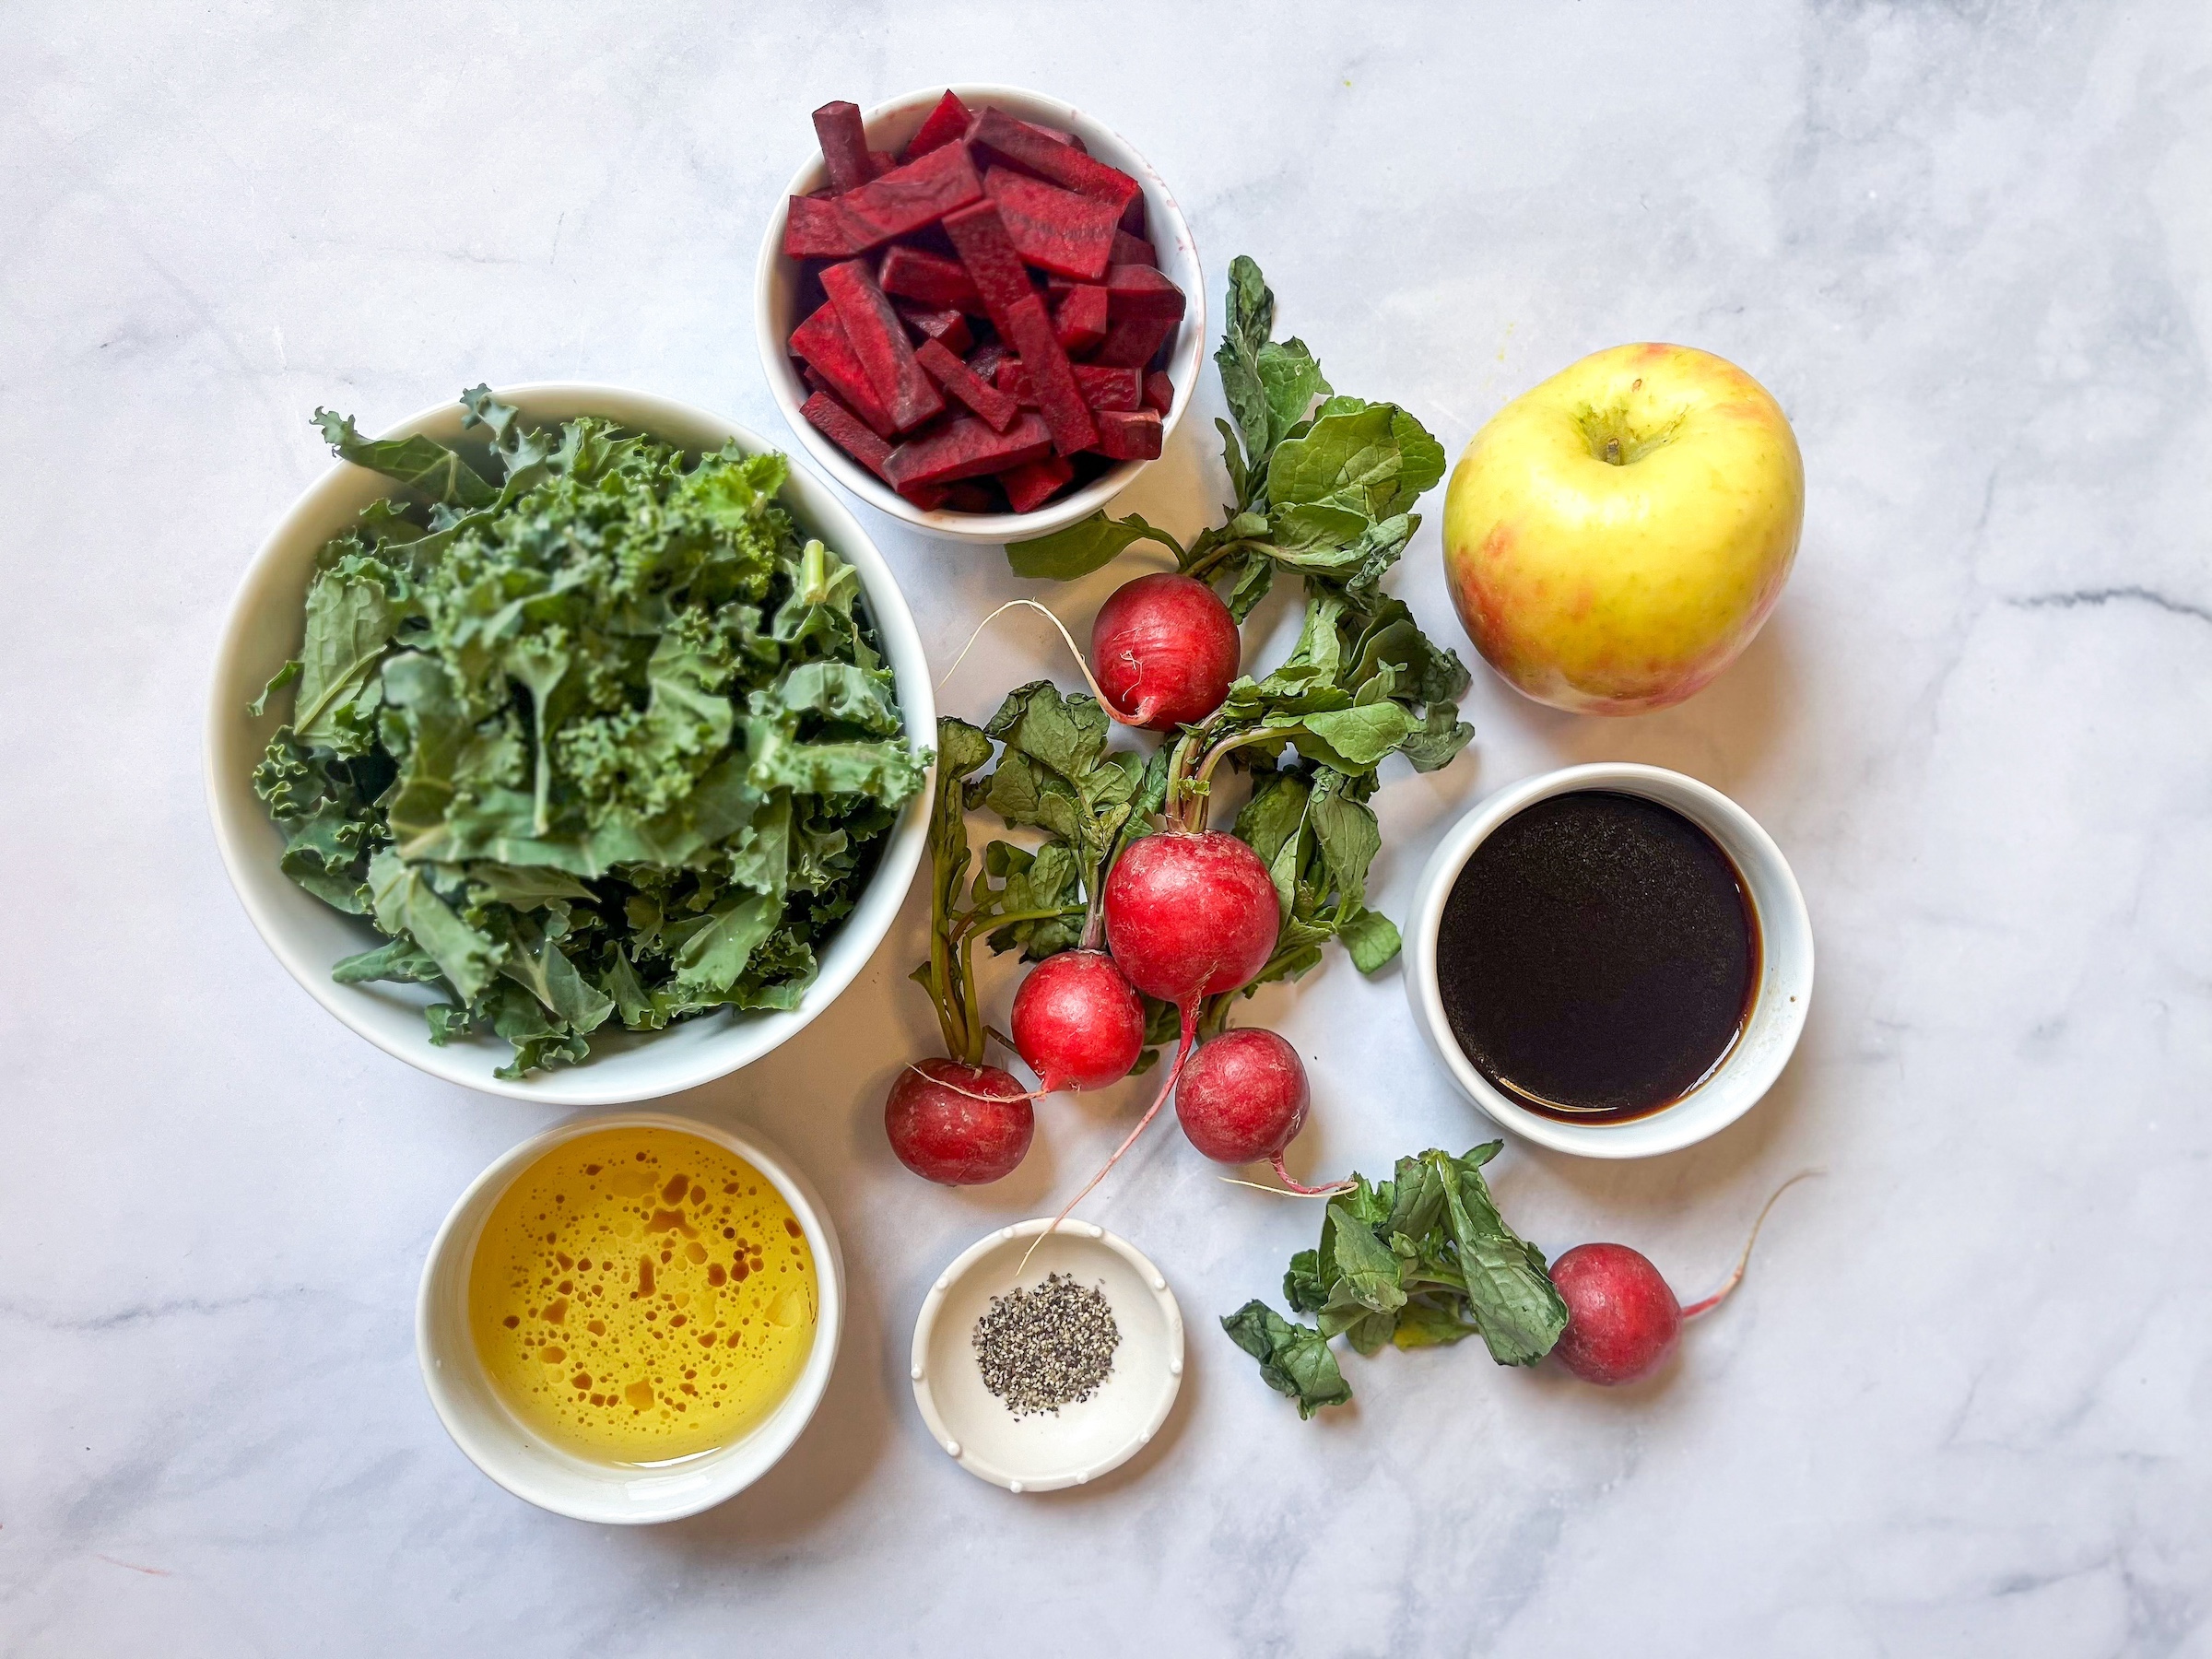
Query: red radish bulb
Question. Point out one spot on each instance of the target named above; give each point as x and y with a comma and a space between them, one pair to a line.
1243, 1098
1077, 1022
1188, 916
961, 1126
1164, 649
1622, 1320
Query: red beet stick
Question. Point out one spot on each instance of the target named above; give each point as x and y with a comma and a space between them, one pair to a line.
945, 125
1129, 437
844, 145
1132, 342
1111, 388
1029, 486
1132, 250
879, 340
1101, 388
1040, 153
961, 382
993, 265
902, 201
820, 341
1080, 320
914, 274
967, 448
1057, 230
1136, 291
949, 328
1059, 400
848, 431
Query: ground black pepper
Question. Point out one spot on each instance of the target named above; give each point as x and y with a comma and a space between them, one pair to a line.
1044, 1348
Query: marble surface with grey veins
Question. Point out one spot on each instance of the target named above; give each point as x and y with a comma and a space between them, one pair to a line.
1963, 1404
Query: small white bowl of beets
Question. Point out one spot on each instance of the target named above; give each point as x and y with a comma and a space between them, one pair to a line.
980, 309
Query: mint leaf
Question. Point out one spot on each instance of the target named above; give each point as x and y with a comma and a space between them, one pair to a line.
1294, 1359
1421, 1260
1372, 938
1508, 1293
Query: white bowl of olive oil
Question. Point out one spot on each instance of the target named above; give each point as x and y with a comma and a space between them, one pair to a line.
630, 1317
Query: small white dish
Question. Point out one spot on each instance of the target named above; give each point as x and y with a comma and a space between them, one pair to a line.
1786, 985
615, 1494
264, 630
775, 311
1045, 1451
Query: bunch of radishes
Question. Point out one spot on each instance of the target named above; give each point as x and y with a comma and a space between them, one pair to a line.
1181, 914
1325, 488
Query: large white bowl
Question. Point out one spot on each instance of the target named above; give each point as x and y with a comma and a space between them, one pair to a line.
775, 311
264, 630
1785, 985
495, 1439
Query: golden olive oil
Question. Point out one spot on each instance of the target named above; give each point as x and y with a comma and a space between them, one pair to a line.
640, 1294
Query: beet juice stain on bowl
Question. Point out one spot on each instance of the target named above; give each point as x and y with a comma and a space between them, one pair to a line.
1598, 957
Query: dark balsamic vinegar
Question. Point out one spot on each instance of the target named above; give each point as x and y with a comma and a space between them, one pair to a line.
1598, 957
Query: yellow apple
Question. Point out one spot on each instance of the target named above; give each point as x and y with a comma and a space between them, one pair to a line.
1615, 536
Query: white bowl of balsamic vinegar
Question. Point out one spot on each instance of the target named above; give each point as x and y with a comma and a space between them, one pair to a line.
1613, 960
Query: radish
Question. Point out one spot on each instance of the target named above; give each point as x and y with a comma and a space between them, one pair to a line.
1165, 648
958, 1125
1623, 1322
1243, 1098
1190, 913
1077, 1022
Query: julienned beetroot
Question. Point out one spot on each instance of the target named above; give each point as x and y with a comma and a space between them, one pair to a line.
1165, 650
1077, 1022
1055, 287
961, 1125
1622, 1319
1243, 1098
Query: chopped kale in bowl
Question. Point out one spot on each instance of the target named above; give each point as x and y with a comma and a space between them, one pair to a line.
586, 730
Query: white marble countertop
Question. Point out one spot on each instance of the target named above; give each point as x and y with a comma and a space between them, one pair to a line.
1962, 1404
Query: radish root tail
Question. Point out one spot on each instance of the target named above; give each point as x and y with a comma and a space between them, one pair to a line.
976, 1094
1299, 1187
1744, 1261
1082, 663
1167, 1087
1275, 1192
